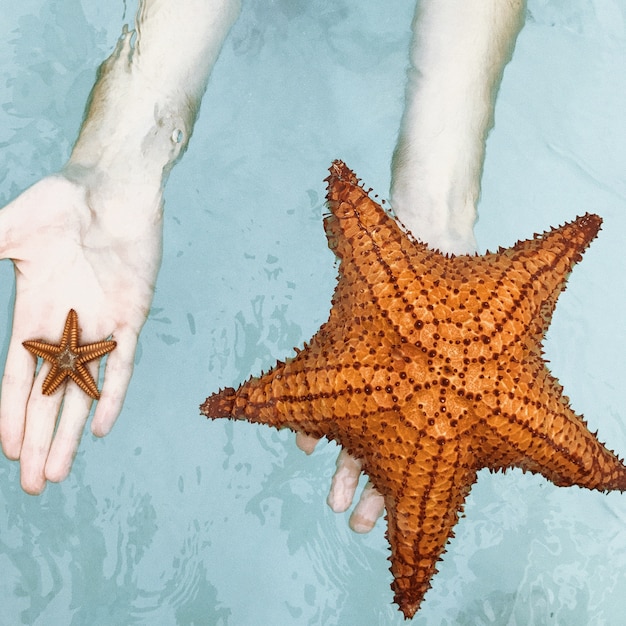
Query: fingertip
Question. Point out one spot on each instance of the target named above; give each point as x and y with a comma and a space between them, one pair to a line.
306, 443
32, 483
100, 430
56, 471
11, 436
345, 482
338, 502
104, 419
11, 447
360, 524
367, 511
341, 493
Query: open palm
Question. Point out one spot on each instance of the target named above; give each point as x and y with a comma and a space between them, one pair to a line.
67, 255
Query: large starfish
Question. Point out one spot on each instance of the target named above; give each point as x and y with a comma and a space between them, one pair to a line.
68, 358
429, 369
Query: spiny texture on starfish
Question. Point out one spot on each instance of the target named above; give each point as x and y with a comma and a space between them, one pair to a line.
429, 369
68, 358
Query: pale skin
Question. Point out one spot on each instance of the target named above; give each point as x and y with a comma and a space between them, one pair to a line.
90, 237
75, 242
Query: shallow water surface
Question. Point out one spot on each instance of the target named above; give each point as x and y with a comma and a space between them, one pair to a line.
174, 520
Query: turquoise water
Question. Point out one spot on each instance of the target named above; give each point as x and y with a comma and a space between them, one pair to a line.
174, 520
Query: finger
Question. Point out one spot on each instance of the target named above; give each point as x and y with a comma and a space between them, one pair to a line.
41, 416
117, 375
368, 509
76, 405
17, 383
306, 443
344, 482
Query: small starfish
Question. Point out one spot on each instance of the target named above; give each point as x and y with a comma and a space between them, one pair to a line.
429, 369
68, 358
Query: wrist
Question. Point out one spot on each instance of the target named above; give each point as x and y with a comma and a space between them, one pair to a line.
132, 132
143, 107
120, 209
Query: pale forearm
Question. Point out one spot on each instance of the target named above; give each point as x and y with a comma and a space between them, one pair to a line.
458, 54
144, 104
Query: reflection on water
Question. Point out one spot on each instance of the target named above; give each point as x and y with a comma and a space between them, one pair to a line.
69, 553
174, 520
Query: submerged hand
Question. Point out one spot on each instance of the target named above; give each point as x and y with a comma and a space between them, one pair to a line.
343, 487
68, 253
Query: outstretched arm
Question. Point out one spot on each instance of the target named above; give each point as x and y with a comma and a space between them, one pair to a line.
457, 58
458, 54
89, 237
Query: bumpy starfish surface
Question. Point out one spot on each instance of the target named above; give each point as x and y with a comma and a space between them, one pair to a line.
68, 358
429, 369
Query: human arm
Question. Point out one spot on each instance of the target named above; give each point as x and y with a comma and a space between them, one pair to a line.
89, 237
457, 57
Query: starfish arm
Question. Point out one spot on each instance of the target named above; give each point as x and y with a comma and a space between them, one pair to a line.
371, 246
41, 349
547, 260
92, 351
333, 385
284, 398
53, 380
421, 517
70, 331
81, 376
538, 431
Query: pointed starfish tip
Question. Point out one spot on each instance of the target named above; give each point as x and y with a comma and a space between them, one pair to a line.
219, 404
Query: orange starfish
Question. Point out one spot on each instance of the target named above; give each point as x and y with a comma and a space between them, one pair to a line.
68, 358
429, 369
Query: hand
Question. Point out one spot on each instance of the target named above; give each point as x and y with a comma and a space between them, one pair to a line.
343, 487
69, 252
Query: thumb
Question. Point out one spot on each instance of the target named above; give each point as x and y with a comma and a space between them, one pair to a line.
22, 219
